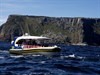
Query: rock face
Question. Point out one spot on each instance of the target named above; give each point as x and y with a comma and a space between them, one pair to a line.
61, 30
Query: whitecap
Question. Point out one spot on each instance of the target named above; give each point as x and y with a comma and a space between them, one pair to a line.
13, 56
36, 55
72, 56
80, 57
42, 62
1, 57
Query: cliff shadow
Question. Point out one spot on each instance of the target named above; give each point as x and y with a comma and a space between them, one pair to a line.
90, 37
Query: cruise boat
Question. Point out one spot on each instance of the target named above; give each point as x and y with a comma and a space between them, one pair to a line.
27, 44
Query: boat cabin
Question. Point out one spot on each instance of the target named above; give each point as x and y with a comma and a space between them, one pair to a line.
27, 41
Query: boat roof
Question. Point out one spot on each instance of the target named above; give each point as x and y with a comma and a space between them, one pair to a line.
31, 37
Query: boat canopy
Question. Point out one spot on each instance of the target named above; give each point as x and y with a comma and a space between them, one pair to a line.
31, 37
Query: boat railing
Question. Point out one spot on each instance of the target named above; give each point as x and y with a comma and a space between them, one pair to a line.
35, 46
31, 46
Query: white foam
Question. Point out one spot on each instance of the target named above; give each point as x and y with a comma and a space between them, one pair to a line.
36, 55
1, 57
42, 62
72, 56
13, 56
80, 57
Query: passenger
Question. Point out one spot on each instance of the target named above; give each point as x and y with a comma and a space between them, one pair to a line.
24, 44
34, 42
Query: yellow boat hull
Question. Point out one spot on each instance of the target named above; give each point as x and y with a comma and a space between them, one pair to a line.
35, 51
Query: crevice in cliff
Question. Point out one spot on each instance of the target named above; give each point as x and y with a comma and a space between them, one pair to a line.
90, 37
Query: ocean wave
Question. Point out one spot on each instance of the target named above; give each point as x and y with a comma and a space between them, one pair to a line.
73, 60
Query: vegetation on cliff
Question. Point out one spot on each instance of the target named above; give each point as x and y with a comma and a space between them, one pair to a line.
61, 30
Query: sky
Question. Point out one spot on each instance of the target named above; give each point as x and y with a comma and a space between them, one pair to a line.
52, 8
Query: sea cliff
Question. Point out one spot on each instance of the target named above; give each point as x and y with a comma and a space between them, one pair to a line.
64, 30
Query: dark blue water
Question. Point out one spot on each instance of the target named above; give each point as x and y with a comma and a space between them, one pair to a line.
73, 60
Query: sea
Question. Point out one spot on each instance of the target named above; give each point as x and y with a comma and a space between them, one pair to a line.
72, 60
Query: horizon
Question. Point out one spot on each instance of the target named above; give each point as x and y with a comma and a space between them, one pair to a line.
53, 8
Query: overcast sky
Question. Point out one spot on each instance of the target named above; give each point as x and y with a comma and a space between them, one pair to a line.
53, 8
